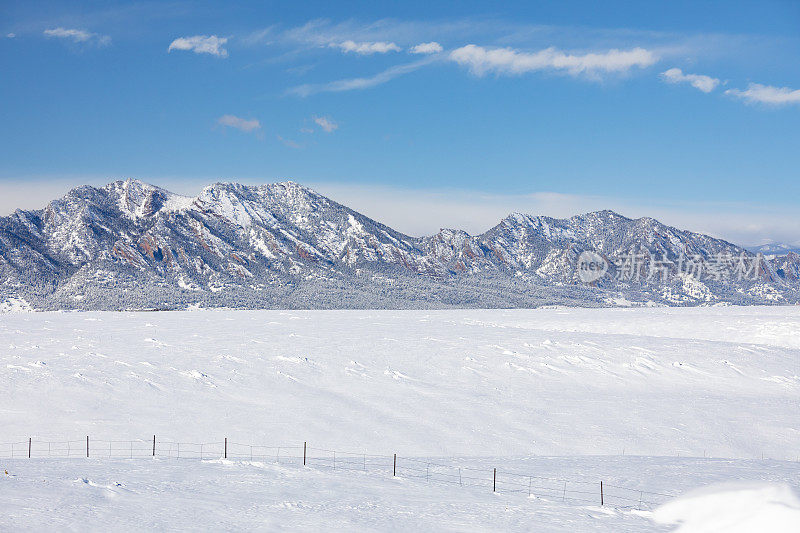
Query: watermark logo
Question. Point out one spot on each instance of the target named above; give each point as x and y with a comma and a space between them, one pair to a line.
641, 267
591, 266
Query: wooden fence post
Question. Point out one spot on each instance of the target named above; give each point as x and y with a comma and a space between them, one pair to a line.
304, 452
87, 445
29, 447
494, 481
601, 493
154, 445
394, 468
225, 452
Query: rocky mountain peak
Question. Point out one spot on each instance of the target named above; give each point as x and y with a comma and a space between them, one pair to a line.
257, 241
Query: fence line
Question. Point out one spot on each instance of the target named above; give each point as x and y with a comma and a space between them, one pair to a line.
418, 468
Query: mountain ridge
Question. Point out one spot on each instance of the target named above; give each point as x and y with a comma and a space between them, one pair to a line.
283, 244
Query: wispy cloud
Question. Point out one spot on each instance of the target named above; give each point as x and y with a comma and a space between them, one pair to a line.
512, 33
698, 81
290, 143
366, 48
426, 48
322, 32
76, 36
11, 35
201, 44
766, 94
360, 83
481, 61
326, 123
242, 124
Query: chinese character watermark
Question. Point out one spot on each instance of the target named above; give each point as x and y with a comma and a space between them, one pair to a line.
637, 267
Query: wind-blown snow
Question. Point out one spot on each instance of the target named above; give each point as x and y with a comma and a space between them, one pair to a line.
160, 494
719, 381
516, 387
734, 508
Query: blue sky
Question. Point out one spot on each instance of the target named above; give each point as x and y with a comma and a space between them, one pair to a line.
420, 114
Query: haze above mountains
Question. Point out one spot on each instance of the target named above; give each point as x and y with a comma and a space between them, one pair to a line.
130, 245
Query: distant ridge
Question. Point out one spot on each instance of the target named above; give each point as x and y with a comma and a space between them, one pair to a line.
131, 245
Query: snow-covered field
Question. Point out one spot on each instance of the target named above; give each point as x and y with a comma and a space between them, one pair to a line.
658, 400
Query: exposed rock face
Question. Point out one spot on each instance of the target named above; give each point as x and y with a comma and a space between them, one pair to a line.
130, 244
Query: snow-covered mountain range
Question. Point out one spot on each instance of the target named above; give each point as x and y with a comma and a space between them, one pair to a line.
775, 249
130, 245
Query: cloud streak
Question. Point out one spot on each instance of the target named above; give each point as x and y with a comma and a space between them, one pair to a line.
77, 36
289, 143
366, 48
766, 94
700, 82
241, 124
326, 123
426, 48
201, 44
481, 61
351, 84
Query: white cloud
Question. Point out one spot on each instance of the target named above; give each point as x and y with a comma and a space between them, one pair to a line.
360, 83
698, 81
426, 48
77, 36
290, 143
481, 60
201, 44
232, 121
11, 35
366, 48
767, 94
326, 123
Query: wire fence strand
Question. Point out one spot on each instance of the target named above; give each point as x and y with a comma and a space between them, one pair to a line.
430, 470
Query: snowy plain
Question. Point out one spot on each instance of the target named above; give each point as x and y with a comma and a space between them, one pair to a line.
660, 400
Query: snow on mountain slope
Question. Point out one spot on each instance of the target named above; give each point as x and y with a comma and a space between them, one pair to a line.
133, 245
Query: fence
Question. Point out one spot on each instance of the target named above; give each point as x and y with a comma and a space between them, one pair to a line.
417, 468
